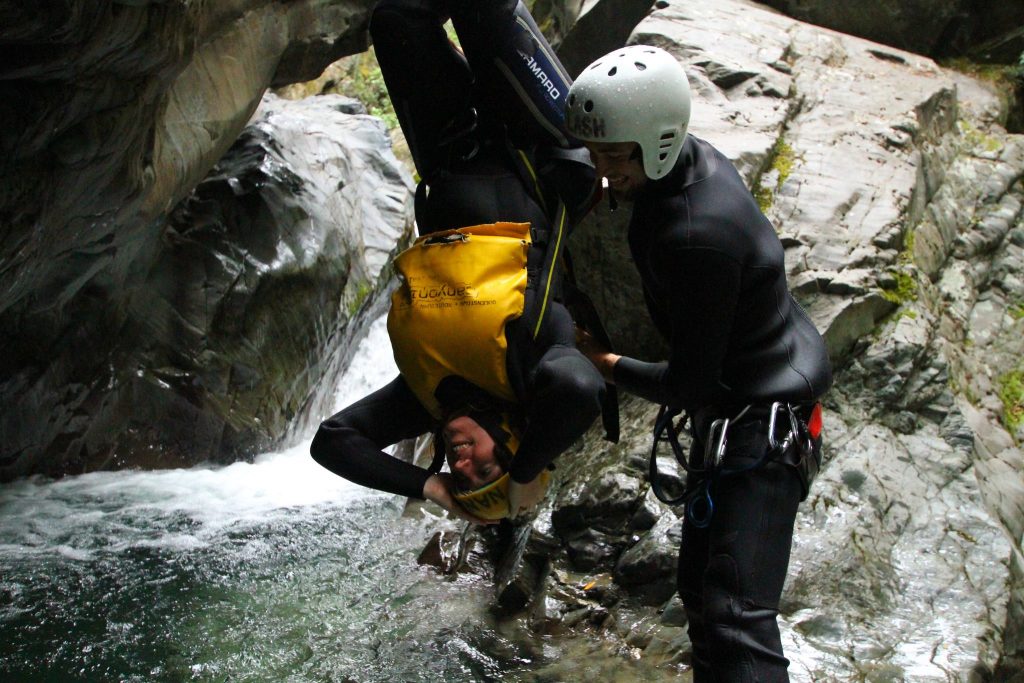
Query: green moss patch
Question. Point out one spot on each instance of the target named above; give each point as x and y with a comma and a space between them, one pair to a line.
978, 139
1011, 393
903, 290
363, 80
782, 162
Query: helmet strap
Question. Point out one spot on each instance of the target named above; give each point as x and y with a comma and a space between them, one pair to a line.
439, 454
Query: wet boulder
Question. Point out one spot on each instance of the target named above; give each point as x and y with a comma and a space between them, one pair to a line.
230, 328
987, 29
111, 113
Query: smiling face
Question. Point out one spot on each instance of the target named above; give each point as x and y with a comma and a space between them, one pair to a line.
470, 452
620, 163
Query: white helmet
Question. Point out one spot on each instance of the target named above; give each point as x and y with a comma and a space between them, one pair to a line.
636, 94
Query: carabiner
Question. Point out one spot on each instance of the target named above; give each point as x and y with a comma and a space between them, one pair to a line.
772, 417
714, 447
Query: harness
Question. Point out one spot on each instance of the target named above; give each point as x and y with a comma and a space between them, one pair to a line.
790, 439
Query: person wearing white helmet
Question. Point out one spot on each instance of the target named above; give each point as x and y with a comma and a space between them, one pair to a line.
746, 364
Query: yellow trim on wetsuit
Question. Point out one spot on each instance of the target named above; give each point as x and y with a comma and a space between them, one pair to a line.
551, 271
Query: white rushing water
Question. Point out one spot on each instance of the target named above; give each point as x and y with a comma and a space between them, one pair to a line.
210, 572
41, 516
275, 570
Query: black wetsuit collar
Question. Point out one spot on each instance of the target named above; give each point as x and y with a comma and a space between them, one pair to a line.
693, 165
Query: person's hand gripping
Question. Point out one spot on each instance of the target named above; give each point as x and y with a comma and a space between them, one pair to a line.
523, 497
438, 489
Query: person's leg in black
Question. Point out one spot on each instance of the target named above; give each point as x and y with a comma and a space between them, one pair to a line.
428, 80
562, 389
565, 401
519, 80
731, 573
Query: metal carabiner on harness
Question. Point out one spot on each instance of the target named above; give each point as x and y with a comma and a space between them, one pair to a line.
714, 446
794, 427
804, 459
701, 507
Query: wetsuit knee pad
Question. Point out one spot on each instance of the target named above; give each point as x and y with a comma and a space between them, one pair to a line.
720, 590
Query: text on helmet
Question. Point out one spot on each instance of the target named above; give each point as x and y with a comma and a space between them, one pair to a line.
585, 125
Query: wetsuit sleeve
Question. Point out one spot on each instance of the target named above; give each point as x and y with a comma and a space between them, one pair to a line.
349, 443
564, 392
570, 176
703, 287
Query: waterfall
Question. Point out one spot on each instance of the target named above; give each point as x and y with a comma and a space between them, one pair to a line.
266, 571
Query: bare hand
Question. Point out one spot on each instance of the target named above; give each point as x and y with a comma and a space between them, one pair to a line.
438, 489
603, 359
522, 497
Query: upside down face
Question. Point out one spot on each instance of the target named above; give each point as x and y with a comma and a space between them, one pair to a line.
470, 452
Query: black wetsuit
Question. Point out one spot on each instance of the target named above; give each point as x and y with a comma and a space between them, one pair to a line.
472, 175
561, 400
714, 279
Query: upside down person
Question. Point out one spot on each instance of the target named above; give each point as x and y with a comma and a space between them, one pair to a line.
485, 349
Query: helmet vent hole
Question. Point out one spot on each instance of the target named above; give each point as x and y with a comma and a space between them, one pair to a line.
613, 71
640, 66
668, 135
588, 106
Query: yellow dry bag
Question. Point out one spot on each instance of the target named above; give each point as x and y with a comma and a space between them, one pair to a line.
458, 289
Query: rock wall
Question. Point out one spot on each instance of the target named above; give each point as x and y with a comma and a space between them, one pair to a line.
109, 115
897, 194
146, 310
989, 30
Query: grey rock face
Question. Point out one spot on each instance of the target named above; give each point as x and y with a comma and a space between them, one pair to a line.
110, 115
988, 29
597, 28
235, 322
897, 195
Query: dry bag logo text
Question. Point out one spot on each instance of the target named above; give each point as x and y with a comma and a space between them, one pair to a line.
424, 293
